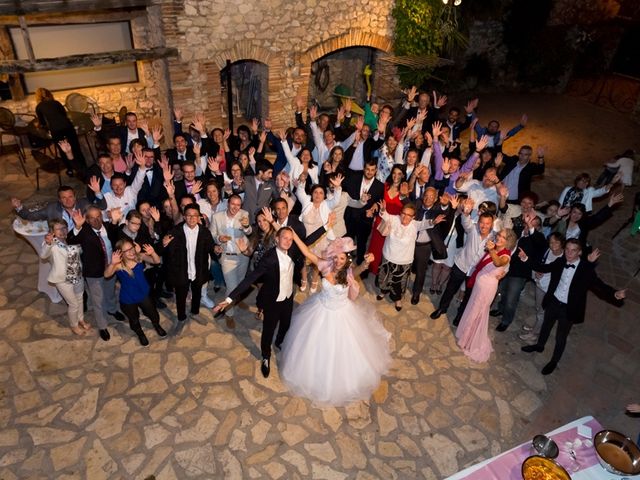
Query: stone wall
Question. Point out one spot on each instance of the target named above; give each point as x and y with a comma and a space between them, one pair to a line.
286, 36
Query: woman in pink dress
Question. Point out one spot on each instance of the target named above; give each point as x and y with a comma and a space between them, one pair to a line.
395, 189
473, 331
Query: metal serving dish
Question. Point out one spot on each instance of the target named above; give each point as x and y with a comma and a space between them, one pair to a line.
544, 446
617, 454
542, 468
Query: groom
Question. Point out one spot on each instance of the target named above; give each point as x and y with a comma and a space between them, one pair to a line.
275, 270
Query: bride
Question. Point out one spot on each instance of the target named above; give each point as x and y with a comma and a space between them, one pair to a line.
336, 349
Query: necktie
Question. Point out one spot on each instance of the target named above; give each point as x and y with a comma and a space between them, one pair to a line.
181, 157
569, 265
104, 248
189, 187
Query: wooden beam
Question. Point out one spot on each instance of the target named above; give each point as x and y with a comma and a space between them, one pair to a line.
23, 7
26, 38
86, 60
73, 17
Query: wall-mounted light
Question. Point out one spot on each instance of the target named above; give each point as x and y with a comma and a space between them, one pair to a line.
455, 2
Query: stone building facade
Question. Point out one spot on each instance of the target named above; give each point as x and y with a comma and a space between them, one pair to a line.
286, 37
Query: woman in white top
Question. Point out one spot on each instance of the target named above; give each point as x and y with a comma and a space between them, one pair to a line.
315, 213
302, 165
582, 192
397, 252
390, 154
66, 272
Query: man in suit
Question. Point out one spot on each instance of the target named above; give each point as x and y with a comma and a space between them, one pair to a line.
187, 251
361, 151
182, 151
97, 240
362, 185
125, 133
259, 189
517, 172
189, 181
152, 189
429, 208
227, 228
103, 171
65, 206
275, 271
566, 297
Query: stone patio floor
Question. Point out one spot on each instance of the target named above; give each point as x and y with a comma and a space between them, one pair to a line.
196, 406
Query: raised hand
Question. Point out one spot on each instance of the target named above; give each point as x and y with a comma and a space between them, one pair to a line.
503, 190
267, 124
300, 103
197, 187
471, 105
454, 201
615, 199
436, 129
166, 240
440, 218
411, 94
524, 119
369, 257
280, 133
446, 165
214, 165
336, 181
97, 120
197, 148
16, 203
94, 184
155, 214
157, 134
268, 216
498, 160
78, 219
490, 245
382, 206
313, 113
594, 255
621, 294
263, 137
331, 220
359, 123
340, 114
65, 147
255, 123
540, 151
252, 152
439, 102
428, 138
410, 124
144, 125
48, 238
116, 257
148, 249
404, 189
170, 188
467, 205
244, 221
482, 143
177, 114
242, 244
347, 106
521, 255
226, 135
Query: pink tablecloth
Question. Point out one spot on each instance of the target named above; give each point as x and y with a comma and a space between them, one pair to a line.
508, 465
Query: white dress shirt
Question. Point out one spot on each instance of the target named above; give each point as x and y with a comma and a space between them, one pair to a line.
191, 234
512, 179
562, 292
286, 276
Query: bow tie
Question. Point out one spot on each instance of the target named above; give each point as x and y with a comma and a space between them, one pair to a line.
569, 265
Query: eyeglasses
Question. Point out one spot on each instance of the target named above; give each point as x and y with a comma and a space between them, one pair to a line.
192, 216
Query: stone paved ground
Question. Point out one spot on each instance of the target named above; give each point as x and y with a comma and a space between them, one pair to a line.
196, 405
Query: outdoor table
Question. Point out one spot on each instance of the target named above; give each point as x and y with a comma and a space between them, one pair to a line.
508, 465
34, 233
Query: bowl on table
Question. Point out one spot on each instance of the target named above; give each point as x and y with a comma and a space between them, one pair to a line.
544, 446
537, 467
616, 453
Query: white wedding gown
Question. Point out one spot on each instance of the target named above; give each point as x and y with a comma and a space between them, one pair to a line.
336, 349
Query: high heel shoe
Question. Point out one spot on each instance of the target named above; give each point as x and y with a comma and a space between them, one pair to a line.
398, 307
303, 285
314, 287
380, 297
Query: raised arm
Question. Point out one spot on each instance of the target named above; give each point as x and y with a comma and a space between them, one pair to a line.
313, 258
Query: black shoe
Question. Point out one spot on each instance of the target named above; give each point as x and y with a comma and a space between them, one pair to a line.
182, 319
495, 313
379, 297
415, 299
398, 308
104, 335
160, 304
143, 338
159, 330
436, 314
501, 327
456, 321
166, 294
438, 291
532, 348
217, 289
265, 368
278, 347
117, 315
549, 368
364, 275
432, 291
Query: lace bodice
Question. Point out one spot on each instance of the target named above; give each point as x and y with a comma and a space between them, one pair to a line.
333, 296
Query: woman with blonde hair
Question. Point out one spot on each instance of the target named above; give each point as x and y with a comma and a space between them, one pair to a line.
127, 263
473, 331
52, 116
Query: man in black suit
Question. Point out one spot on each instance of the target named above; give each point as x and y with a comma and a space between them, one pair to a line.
275, 271
516, 172
182, 152
97, 240
359, 221
566, 297
187, 251
361, 150
152, 190
125, 133
189, 181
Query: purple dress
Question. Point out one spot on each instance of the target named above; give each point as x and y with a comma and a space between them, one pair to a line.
473, 331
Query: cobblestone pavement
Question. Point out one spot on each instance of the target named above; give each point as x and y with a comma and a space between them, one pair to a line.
195, 405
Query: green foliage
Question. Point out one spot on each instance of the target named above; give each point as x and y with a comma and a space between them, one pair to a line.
424, 27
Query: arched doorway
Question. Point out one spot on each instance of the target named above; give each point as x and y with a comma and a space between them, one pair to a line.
342, 70
249, 89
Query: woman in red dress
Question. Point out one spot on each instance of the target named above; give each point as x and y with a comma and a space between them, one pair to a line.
395, 190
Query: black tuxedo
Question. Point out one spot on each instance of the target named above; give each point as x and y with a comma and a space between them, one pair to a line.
369, 147
567, 314
526, 174
268, 272
358, 224
93, 256
181, 188
153, 192
177, 267
122, 132
172, 155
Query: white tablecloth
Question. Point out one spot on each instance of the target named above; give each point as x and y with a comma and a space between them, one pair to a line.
589, 468
34, 233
